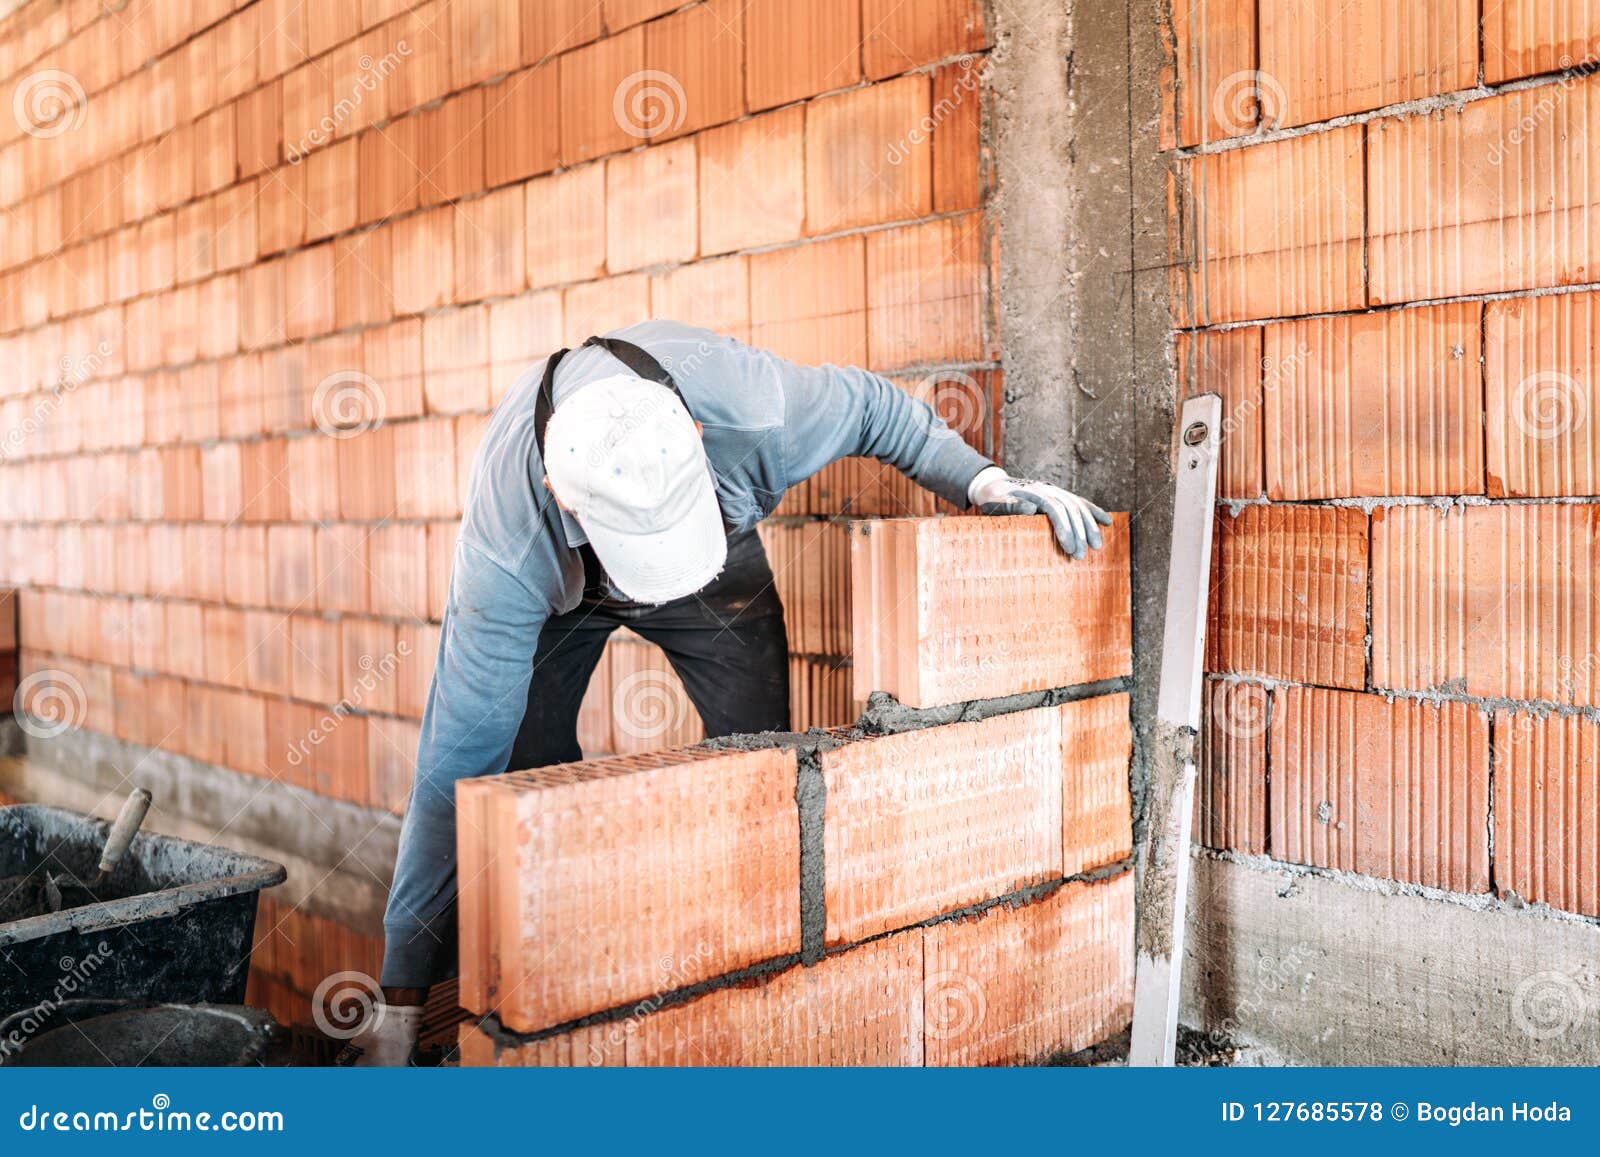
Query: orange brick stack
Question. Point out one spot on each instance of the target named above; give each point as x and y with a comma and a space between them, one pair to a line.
268, 265
949, 894
1399, 314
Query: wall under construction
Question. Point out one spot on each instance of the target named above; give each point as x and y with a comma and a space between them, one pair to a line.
266, 268
945, 883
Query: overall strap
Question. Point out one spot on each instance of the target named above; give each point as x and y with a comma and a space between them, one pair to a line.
544, 405
638, 360
630, 355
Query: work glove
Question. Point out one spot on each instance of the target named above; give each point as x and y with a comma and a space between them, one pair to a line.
387, 1039
1074, 519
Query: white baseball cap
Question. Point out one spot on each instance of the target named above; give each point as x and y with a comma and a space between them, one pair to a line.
625, 458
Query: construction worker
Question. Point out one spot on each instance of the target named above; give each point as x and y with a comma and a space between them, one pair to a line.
619, 484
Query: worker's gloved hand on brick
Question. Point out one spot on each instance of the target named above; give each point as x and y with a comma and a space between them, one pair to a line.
387, 1040
995, 492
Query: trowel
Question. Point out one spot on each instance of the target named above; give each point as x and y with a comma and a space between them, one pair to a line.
118, 840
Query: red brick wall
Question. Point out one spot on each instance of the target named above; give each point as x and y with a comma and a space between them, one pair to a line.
265, 268
1398, 313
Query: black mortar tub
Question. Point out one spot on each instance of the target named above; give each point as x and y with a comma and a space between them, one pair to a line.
177, 925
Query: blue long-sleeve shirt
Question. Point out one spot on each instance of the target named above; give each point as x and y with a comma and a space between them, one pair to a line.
769, 424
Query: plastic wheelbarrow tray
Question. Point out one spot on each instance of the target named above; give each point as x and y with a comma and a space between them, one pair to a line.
175, 922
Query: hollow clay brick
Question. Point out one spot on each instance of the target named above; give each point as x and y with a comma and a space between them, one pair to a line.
1547, 810
1275, 229
1397, 789
1289, 595
1231, 791
1527, 37
1375, 404
949, 610
1533, 602
1326, 58
1419, 598
1229, 363
1520, 196
1542, 381
671, 868
933, 820
1018, 985
860, 1007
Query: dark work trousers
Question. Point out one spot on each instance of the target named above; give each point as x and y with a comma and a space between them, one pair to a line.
727, 643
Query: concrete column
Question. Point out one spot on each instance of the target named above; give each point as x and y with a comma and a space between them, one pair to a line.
1080, 221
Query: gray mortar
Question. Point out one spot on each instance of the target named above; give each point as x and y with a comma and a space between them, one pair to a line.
756, 974
886, 715
811, 796
1156, 904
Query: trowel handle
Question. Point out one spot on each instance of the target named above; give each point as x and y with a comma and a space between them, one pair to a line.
126, 827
